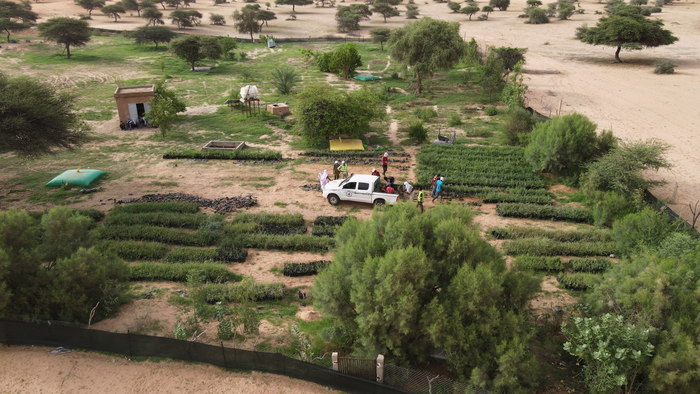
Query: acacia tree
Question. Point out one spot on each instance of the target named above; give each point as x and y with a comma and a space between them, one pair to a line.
294, 3
323, 112
380, 36
469, 10
153, 15
405, 281
65, 31
36, 118
185, 18
246, 21
408, 46
90, 5
194, 48
348, 17
346, 59
114, 10
387, 8
154, 34
164, 108
15, 17
138, 6
628, 31
264, 16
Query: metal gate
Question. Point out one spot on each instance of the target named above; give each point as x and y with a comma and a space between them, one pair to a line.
365, 368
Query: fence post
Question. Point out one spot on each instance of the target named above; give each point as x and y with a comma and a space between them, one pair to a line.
380, 368
334, 357
223, 351
128, 337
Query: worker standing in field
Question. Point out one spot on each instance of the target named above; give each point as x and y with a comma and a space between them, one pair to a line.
343, 169
385, 162
438, 189
421, 199
336, 171
408, 189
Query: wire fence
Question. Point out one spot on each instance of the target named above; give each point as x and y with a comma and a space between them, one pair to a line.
132, 345
424, 382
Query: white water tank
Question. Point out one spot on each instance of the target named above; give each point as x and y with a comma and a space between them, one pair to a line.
249, 92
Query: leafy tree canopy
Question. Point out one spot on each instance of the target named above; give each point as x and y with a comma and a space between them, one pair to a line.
510, 56
346, 59
323, 112
387, 8
166, 104
193, 48
114, 10
502, 5
154, 34
15, 17
408, 46
153, 15
66, 31
294, 3
185, 18
403, 274
90, 5
246, 21
349, 17
628, 31
36, 119
380, 36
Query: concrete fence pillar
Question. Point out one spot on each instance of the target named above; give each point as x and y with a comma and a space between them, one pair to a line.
334, 357
380, 369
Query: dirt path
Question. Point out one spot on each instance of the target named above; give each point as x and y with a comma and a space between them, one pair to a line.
393, 132
25, 369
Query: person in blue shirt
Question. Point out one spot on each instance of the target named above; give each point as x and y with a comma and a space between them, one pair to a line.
438, 189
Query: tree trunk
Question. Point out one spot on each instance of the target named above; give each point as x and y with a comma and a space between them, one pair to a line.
139, 12
617, 54
90, 12
8, 35
156, 44
68, 50
115, 18
419, 84
252, 40
192, 65
384, 18
293, 10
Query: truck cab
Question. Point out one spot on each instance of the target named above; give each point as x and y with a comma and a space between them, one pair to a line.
358, 188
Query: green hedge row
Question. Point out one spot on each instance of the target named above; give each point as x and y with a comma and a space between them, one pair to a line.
143, 207
356, 154
307, 243
222, 255
160, 219
158, 234
234, 293
223, 155
93, 214
330, 220
492, 198
304, 269
595, 265
540, 264
215, 273
134, 250
251, 227
534, 211
516, 232
578, 281
270, 219
547, 247
324, 231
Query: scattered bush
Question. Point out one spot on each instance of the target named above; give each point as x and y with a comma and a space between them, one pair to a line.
454, 120
215, 273
490, 111
537, 16
593, 265
282, 242
534, 211
223, 155
270, 219
417, 132
229, 292
285, 79
547, 247
540, 264
133, 250
518, 126
517, 232
664, 67
143, 207
159, 219
304, 269
425, 113
158, 234
609, 207
642, 230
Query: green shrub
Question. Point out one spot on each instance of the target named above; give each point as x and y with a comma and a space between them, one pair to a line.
491, 111
642, 230
609, 207
417, 132
324, 231
677, 244
518, 126
537, 16
534, 211
223, 155
158, 234
143, 207
273, 219
517, 232
425, 113
134, 250
193, 255
93, 214
594, 265
547, 247
540, 264
455, 119
664, 67
284, 79
179, 272
578, 281
233, 255
491, 198
304, 269
330, 220
282, 242
159, 219
229, 292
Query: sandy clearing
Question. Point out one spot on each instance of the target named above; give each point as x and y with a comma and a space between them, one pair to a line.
30, 369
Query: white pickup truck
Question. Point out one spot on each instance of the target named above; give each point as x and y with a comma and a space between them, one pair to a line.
359, 188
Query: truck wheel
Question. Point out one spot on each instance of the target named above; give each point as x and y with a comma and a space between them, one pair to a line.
333, 199
379, 204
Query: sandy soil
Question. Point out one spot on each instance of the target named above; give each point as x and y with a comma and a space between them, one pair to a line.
25, 369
